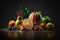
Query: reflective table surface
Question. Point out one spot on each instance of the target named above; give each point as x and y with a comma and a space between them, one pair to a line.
28, 35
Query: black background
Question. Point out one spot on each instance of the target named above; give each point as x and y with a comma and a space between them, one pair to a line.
48, 7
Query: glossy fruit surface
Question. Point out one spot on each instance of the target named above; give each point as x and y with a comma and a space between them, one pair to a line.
46, 19
18, 21
43, 26
27, 24
11, 23
35, 17
49, 25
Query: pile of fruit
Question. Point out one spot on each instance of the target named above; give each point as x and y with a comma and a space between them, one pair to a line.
30, 21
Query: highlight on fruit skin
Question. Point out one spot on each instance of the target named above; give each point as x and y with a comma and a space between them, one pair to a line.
11, 23
39, 13
19, 18
35, 17
49, 25
27, 24
18, 21
43, 26
32, 17
46, 19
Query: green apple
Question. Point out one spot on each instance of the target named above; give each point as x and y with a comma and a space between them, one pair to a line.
45, 19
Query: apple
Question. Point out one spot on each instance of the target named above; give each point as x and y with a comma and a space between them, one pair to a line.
11, 23
45, 19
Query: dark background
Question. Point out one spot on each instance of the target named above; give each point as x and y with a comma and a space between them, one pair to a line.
48, 7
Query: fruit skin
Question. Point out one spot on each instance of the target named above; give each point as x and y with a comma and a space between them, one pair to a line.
18, 21
49, 25
45, 19
11, 23
43, 26
32, 17
27, 24
38, 17
35, 17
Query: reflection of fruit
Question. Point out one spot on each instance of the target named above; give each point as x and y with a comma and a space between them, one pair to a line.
50, 34
11, 23
18, 21
10, 34
27, 24
46, 19
49, 25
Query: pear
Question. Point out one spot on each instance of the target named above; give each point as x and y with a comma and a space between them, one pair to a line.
18, 21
